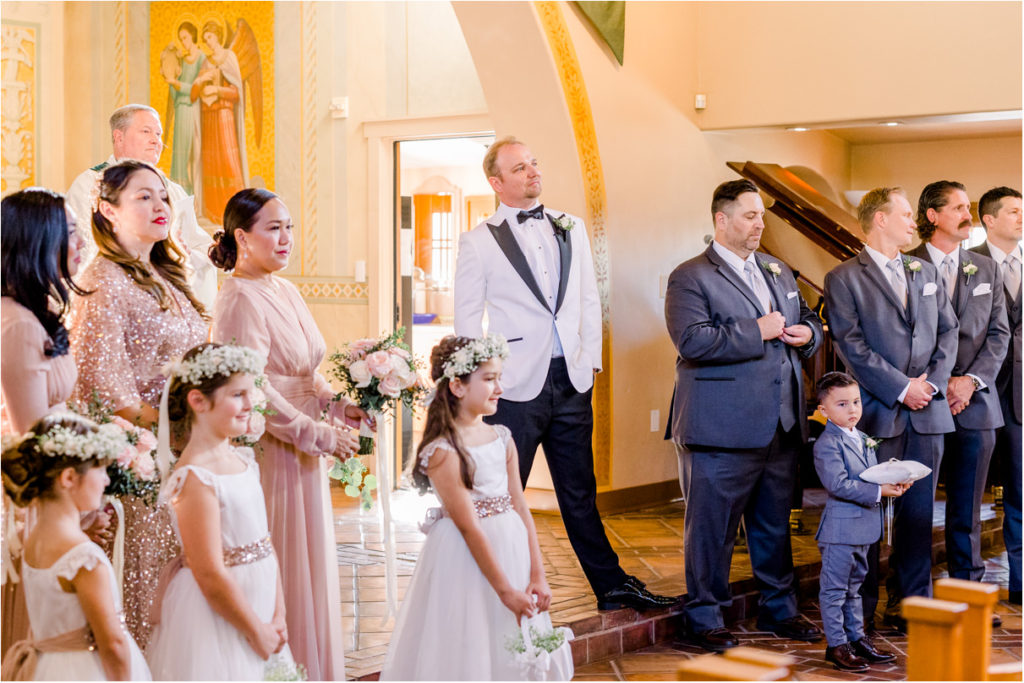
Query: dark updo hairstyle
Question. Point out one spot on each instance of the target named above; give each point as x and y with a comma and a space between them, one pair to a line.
34, 267
178, 409
442, 413
239, 214
165, 257
29, 473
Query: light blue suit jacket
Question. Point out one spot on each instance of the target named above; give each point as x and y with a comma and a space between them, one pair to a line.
852, 515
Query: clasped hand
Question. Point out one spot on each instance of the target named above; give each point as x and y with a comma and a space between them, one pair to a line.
773, 326
919, 393
959, 392
351, 415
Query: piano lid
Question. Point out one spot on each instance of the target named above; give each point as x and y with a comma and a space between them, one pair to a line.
825, 223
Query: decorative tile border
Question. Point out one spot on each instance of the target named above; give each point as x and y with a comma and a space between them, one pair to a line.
557, 31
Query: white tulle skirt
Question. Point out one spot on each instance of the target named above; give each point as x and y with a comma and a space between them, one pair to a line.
452, 625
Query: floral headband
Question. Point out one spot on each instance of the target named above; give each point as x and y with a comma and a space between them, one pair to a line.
104, 443
214, 361
468, 358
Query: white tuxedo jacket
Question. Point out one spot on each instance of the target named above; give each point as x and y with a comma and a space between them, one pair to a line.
492, 274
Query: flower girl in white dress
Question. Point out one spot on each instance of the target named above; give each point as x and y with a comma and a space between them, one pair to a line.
221, 611
480, 570
74, 606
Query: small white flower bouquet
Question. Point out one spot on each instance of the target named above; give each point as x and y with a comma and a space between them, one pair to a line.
281, 667
541, 652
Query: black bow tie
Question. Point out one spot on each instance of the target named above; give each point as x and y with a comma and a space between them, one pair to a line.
536, 212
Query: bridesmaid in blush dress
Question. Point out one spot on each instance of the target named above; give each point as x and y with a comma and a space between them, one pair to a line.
258, 309
41, 253
140, 315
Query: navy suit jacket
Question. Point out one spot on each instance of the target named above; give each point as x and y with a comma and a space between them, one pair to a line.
1008, 382
979, 303
852, 515
728, 387
884, 345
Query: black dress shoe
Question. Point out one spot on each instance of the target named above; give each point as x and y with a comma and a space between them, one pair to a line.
715, 639
865, 649
629, 594
845, 659
997, 621
895, 621
793, 628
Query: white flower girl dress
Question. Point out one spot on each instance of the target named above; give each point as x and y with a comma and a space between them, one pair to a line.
53, 612
191, 641
452, 625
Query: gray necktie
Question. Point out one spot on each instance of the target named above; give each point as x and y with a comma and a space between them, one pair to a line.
949, 274
899, 284
757, 284
1011, 275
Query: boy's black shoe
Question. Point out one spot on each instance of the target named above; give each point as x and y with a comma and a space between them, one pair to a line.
865, 649
845, 659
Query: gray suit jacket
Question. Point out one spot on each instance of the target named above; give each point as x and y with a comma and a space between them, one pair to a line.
1008, 382
728, 385
979, 303
883, 344
852, 515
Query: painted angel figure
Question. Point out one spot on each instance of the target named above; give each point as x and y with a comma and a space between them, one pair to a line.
219, 89
180, 69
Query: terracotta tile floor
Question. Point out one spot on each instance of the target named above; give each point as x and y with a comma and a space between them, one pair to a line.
649, 544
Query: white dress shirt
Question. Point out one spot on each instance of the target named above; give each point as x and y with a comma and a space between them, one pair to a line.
739, 265
536, 239
938, 257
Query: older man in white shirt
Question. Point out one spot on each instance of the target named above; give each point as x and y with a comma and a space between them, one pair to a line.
136, 132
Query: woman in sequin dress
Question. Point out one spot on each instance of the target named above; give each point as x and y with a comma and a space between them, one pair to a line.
141, 315
257, 309
41, 253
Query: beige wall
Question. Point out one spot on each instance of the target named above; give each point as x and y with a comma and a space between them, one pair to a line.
777, 63
980, 164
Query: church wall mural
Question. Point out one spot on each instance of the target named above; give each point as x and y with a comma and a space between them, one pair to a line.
212, 81
19, 105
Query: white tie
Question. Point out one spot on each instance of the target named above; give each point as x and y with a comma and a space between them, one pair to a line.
760, 288
899, 284
1011, 274
949, 274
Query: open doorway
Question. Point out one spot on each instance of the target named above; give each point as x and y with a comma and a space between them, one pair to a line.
441, 192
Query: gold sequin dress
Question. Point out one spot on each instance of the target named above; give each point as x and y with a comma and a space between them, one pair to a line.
121, 341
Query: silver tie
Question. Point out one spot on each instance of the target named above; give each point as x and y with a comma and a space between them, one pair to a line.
949, 274
760, 288
1011, 275
899, 284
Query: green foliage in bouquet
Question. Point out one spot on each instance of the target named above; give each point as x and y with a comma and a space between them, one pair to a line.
353, 474
549, 642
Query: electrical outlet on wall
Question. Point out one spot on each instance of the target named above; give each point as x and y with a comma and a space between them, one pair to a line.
655, 420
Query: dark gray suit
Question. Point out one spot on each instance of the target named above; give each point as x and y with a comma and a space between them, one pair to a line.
883, 345
980, 307
1008, 439
733, 393
850, 523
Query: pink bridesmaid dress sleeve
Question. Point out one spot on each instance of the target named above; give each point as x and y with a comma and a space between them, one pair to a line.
24, 373
237, 320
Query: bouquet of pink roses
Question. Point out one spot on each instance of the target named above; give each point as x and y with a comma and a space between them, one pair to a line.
378, 374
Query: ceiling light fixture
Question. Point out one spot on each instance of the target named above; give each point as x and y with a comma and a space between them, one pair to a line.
890, 124
797, 129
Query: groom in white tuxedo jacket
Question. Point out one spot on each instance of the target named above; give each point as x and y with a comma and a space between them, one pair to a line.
531, 270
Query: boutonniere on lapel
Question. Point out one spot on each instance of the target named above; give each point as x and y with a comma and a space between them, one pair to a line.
913, 265
871, 443
563, 224
969, 270
773, 269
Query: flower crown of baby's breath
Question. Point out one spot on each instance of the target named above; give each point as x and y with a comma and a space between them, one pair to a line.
468, 358
106, 442
214, 361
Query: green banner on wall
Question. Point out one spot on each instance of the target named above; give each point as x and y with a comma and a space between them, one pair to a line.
609, 18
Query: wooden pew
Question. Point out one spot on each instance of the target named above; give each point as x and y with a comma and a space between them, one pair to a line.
935, 639
723, 668
977, 643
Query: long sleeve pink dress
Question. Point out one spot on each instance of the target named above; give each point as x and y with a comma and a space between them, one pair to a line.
32, 385
121, 341
271, 317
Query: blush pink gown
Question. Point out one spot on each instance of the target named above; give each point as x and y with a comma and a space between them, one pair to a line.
32, 385
271, 317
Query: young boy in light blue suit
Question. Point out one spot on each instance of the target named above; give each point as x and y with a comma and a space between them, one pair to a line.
850, 523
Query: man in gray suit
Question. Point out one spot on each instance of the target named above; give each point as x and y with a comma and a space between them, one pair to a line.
974, 286
895, 331
1000, 212
740, 328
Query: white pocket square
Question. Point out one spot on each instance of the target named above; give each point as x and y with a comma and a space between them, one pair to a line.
791, 295
983, 288
929, 289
